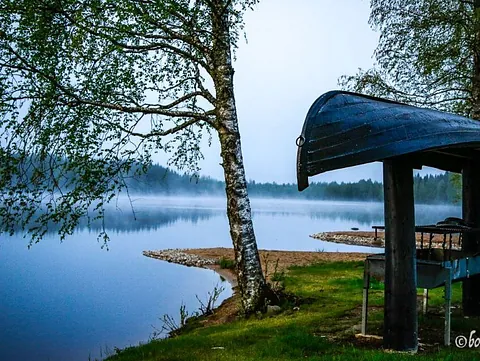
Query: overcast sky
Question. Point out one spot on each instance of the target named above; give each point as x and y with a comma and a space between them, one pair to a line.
296, 51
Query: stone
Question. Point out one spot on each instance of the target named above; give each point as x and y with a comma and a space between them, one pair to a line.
273, 309
179, 257
357, 328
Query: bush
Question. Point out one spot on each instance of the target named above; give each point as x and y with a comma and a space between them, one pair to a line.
226, 263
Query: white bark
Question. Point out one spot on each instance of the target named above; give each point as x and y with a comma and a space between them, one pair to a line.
249, 272
250, 277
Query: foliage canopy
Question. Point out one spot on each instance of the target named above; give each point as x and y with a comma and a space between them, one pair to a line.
89, 88
428, 54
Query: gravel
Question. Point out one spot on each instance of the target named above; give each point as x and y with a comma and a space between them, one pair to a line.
179, 257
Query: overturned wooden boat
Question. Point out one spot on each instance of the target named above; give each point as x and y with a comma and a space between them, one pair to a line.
344, 129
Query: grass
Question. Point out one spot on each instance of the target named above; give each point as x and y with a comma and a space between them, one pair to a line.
323, 328
226, 263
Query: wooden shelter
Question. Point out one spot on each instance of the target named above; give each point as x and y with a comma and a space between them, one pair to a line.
345, 129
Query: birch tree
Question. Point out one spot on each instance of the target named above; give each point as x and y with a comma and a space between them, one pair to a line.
91, 89
428, 55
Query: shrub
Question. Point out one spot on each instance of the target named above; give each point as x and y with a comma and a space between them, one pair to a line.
226, 263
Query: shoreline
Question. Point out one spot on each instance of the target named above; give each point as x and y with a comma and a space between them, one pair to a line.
185, 257
272, 261
277, 261
353, 238
367, 239
322, 324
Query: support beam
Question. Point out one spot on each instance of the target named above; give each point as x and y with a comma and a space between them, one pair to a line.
400, 313
366, 286
425, 301
448, 304
471, 242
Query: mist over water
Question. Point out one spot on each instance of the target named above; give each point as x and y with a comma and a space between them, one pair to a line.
66, 301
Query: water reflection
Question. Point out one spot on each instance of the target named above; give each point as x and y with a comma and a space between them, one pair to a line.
373, 214
152, 214
151, 219
430, 214
141, 219
362, 218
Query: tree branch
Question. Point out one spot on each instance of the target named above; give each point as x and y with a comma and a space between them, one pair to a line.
150, 47
154, 133
161, 110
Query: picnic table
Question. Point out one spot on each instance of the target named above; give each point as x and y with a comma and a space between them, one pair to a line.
436, 267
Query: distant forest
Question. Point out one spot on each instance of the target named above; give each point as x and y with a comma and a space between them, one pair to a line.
161, 180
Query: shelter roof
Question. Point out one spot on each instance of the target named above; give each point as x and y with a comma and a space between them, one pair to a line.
344, 129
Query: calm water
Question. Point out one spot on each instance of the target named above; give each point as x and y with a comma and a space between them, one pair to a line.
74, 300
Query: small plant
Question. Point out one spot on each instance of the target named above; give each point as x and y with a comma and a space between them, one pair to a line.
169, 326
226, 263
206, 308
277, 279
265, 262
104, 353
277, 299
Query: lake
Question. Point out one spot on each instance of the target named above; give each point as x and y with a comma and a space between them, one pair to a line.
74, 300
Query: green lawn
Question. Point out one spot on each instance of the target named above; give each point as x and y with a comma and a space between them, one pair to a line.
321, 330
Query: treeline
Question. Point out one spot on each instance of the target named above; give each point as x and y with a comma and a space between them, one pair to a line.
364, 190
436, 189
161, 180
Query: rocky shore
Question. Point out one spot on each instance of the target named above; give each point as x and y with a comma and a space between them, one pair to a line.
192, 258
354, 238
178, 256
367, 239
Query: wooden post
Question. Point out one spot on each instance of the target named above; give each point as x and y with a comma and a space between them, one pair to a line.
366, 286
425, 301
400, 313
448, 303
471, 242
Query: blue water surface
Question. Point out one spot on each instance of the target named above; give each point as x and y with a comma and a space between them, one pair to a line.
76, 301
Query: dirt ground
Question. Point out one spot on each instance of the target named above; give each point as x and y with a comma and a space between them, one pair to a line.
279, 260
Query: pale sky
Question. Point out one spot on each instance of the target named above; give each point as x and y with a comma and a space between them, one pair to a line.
296, 51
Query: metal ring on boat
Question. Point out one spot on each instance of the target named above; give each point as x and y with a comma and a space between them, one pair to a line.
300, 141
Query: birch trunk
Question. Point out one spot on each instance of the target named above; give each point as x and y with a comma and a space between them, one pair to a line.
249, 272
251, 280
